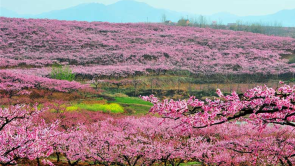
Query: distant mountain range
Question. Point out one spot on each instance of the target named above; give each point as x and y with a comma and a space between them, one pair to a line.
285, 17
133, 11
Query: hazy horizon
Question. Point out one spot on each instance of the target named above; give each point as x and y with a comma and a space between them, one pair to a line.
237, 7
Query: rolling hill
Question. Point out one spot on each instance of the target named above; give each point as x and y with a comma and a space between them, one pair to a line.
123, 49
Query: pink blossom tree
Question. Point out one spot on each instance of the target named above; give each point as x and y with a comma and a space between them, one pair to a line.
21, 137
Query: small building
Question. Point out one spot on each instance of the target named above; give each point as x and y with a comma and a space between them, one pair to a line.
168, 22
214, 23
187, 22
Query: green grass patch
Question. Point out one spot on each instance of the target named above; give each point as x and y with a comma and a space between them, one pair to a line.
113, 107
191, 163
131, 100
140, 109
133, 104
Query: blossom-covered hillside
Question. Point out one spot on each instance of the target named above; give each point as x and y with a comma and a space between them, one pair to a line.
41, 42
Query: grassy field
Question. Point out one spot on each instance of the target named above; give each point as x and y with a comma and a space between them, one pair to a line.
126, 105
133, 105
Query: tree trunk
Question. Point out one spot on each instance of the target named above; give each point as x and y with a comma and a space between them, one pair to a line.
57, 157
38, 161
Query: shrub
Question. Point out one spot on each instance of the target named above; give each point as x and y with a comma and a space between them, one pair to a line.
62, 73
291, 60
130, 111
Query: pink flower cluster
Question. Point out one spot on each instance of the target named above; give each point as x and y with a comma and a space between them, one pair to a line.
21, 137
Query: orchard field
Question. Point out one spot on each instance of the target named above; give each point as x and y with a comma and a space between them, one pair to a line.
94, 93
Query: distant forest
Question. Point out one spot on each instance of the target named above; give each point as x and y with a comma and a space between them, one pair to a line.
274, 28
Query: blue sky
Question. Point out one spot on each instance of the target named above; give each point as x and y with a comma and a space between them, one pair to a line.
205, 7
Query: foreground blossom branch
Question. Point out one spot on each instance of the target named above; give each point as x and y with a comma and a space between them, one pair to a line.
260, 105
